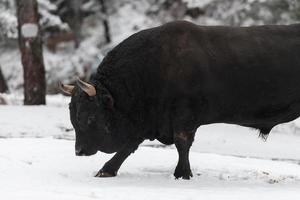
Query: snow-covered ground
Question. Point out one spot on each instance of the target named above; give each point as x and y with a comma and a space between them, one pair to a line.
48, 169
37, 161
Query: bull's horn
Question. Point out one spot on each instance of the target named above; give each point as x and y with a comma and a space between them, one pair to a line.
66, 88
86, 87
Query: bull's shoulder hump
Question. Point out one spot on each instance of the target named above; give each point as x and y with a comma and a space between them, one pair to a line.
179, 26
183, 26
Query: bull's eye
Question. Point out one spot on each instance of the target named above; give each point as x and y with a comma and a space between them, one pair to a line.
71, 105
91, 98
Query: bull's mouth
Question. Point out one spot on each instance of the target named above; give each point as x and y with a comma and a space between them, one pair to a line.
84, 153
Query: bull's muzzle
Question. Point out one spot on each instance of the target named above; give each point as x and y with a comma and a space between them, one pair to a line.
79, 152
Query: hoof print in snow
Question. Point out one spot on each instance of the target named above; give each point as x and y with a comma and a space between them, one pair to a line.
102, 174
266, 173
273, 181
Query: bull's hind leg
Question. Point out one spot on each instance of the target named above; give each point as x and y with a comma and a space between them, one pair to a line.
112, 166
183, 142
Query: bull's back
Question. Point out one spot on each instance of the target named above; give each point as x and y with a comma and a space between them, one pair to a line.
259, 71
239, 74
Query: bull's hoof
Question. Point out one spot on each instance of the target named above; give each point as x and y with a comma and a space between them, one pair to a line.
104, 174
183, 173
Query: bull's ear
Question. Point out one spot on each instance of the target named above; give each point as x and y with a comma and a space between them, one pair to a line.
67, 89
108, 101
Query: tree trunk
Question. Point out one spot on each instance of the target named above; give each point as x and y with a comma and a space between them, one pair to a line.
105, 22
3, 86
30, 45
75, 19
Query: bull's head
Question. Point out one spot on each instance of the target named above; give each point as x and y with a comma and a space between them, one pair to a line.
91, 114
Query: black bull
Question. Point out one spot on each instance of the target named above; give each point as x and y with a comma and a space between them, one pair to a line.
165, 82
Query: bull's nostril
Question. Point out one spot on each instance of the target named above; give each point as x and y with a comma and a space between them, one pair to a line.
84, 152
79, 152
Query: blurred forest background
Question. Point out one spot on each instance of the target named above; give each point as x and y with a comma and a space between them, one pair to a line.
74, 35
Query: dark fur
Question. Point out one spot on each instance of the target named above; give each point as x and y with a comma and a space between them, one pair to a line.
174, 78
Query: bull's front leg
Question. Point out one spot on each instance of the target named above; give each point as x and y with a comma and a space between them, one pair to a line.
112, 166
183, 141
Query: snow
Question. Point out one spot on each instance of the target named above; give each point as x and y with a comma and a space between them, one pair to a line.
36, 121
195, 3
241, 141
37, 160
29, 30
47, 168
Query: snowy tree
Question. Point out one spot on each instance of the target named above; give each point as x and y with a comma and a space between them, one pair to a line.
30, 45
8, 22
75, 12
71, 13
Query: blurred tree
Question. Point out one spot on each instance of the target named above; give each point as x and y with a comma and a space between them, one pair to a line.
296, 11
8, 23
71, 12
107, 34
167, 10
3, 86
30, 45
74, 13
